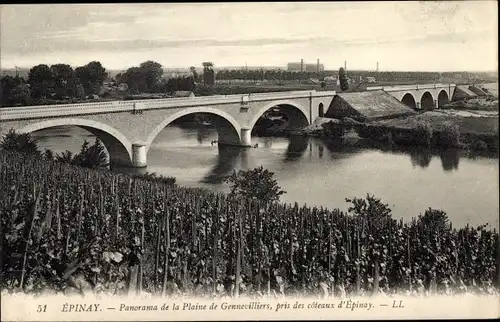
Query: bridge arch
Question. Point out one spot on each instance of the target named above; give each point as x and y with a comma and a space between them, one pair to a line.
227, 127
409, 100
299, 115
118, 146
427, 101
443, 98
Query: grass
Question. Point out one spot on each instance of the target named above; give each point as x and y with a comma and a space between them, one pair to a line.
467, 124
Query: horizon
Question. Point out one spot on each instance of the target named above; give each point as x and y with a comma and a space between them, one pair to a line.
452, 36
271, 67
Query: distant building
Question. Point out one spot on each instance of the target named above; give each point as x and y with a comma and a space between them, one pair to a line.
294, 67
371, 80
300, 66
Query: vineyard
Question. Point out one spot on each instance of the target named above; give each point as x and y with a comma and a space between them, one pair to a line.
69, 229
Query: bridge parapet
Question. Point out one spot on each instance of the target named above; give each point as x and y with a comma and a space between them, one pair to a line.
29, 112
396, 88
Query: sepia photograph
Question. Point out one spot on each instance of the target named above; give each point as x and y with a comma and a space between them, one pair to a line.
249, 160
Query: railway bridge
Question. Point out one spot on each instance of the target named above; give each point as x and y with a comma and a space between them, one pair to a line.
427, 97
128, 128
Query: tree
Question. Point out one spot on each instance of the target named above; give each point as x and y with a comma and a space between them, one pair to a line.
20, 142
41, 81
91, 156
134, 79
91, 76
8, 89
193, 71
145, 78
65, 157
21, 94
257, 184
64, 80
79, 91
152, 73
49, 155
208, 74
344, 84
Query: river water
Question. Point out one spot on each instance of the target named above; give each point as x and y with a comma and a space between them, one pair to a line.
321, 173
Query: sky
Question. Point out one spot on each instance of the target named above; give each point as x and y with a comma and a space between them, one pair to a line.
416, 36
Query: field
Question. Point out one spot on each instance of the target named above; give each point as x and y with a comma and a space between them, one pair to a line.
69, 229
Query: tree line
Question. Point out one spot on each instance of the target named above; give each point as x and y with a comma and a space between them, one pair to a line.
62, 82
286, 75
58, 81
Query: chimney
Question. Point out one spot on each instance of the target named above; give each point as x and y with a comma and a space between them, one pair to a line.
317, 66
301, 64
345, 65
377, 66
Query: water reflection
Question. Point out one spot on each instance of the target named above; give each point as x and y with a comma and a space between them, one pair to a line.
320, 151
297, 145
450, 159
268, 142
202, 134
227, 159
420, 157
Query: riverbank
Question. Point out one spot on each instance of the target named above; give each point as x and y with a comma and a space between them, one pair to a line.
464, 129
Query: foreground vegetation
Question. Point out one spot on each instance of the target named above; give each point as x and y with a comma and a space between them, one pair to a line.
71, 229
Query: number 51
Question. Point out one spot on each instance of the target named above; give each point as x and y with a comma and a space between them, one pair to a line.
41, 308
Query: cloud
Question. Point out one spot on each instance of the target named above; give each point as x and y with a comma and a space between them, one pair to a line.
236, 29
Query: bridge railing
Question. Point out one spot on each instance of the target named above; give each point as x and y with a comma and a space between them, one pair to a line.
134, 105
409, 87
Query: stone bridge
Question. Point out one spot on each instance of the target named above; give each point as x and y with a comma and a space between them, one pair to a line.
427, 97
128, 128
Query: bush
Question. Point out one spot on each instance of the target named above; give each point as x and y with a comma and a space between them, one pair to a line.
435, 220
89, 157
255, 184
449, 136
479, 145
373, 132
333, 129
423, 134
19, 142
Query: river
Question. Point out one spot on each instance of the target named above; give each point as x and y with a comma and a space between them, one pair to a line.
319, 173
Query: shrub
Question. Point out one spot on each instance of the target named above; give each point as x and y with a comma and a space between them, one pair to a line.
89, 157
449, 136
423, 134
19, 142
256, 184
435, 220
333, 129
479, 145
373, 132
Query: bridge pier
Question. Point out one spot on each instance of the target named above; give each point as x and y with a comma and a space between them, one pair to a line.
246, 137
436, 104
139, 159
